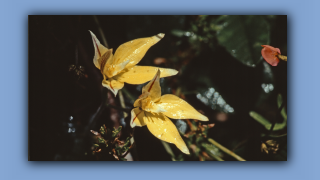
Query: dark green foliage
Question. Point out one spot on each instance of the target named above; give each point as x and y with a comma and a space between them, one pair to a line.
109, 146
115, 131
243, 36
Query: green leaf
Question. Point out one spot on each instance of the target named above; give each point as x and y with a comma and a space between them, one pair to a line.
115, 131
101, 140
168, 149
243, 36
96, 145
122, 159
212, 151
266, 123
124, 149
102, 130
127, 142
177, 32
283, 111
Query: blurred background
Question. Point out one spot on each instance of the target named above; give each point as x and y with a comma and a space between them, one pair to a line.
221, 74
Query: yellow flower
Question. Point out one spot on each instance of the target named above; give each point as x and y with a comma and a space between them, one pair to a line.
121, 67
153, 110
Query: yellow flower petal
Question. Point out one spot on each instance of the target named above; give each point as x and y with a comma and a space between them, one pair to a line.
153, 88
135, 50
142, 74
99, 50
179, 109
151, 93
112, 70
104, 61
113, 85
147, 104
137, 116
163, 128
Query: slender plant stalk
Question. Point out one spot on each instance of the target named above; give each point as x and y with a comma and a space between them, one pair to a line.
123, 105
169, 150
128, 94
101, 31
274, 122
226, 150
215, 156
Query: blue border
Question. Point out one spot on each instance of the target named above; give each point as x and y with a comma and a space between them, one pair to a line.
303, 87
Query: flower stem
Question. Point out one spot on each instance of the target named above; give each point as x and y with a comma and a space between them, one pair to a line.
101, 32
168, 149
226, 150
274, 122
123, 105
215, 156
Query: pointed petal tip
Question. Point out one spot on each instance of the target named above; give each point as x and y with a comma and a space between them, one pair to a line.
166, 72
132, 124
91, 33
161, 35
174, 72
204, 118
185, 150
114, 91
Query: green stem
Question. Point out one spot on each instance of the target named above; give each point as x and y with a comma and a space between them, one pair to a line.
275, 121
101, 32
205, 146
128, 94
118, 108
168, 149
215, 157
226, 150
123, 105
266, 123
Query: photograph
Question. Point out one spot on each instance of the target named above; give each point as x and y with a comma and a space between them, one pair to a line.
157, 87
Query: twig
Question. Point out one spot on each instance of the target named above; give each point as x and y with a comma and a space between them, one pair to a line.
226, 150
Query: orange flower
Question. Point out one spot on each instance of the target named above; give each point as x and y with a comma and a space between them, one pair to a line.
270, 54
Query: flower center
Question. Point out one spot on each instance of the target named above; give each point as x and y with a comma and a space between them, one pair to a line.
147, 104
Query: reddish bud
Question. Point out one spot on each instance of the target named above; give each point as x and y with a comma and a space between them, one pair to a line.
270, 54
